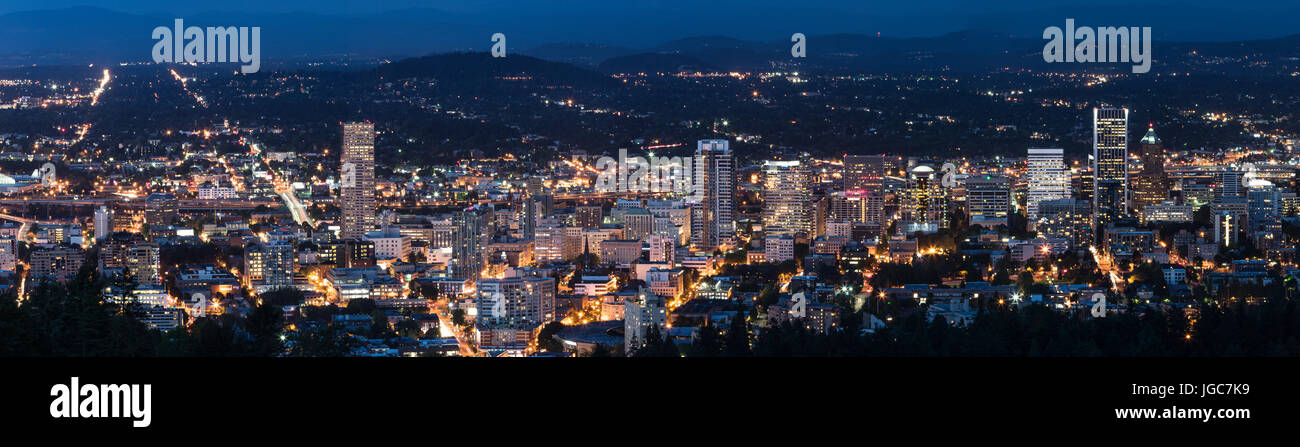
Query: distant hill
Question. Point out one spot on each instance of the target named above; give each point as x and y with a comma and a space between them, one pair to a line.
964, 51
709, 43
580, 54
654, 63
481, 67
74, 36
971, 50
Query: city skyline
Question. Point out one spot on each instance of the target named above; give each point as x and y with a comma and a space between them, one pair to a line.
1003, 204
702, 199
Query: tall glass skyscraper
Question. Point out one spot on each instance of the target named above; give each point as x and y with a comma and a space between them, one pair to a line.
925, 202
713, 221
1110, 164
864, 182
357, 176
787, 198
864, 173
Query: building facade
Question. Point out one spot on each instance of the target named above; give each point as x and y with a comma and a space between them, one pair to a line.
357, 179
1048, 179
1110, 165
787, 198
713, 221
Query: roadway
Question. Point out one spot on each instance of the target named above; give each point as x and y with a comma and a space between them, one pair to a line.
1106, 264
467, 348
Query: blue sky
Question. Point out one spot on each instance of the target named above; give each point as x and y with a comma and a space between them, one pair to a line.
659, 20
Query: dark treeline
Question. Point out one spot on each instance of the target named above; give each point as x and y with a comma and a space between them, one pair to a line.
75, 320
1271, 329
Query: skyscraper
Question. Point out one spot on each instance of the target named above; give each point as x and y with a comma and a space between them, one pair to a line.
864, 181
1152, 186
471, 234
536, 206
1264, 202
1065, 219
787, 198
1110, 164
925, 202
988, 200
713, 217
357, 172
1230, 183
848, 205
548, 243
1048, 179
864, 172
103, 223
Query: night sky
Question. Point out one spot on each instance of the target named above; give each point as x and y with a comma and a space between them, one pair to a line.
644, 22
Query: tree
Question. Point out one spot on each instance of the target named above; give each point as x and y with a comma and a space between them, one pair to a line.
707, 343
321, 340
264, 324
379, 327
427, 290
361, 306
1025, 281
407, 327
458, 318
736, 343
416, 257
586, 260
655, 345
546, 341
600, 351
769, 295
284, 296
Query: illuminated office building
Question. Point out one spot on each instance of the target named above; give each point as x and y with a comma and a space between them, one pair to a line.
357, 177
787, 198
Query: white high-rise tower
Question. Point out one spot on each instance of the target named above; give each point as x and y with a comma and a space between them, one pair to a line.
713, 221
357, 172
1047, 177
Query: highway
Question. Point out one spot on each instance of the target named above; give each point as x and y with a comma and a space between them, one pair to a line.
1106, 265
284, 188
